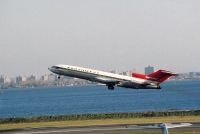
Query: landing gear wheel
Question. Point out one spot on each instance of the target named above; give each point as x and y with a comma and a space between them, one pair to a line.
111, 87
58, 76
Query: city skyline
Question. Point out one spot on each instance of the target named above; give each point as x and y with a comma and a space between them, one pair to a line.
52, 80
146, 70
104, 35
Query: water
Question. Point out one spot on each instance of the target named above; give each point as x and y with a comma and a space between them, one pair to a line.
183, 95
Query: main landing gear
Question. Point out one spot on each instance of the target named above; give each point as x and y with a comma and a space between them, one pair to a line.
111, 87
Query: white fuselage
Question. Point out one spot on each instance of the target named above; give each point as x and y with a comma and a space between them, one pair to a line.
110, 79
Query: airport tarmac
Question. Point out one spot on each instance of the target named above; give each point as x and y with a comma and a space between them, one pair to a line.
103, 129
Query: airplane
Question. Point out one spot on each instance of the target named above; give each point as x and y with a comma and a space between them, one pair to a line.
163, 126
136, 81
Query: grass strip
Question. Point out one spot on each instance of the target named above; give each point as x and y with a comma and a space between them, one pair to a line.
141, 120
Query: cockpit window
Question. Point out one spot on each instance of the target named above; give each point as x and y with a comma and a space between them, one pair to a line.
56, 67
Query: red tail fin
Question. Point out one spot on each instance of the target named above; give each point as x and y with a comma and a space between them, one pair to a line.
159, 76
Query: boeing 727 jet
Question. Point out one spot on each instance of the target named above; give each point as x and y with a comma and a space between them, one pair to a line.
136, 81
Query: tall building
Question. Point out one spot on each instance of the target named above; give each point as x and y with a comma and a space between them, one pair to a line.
45, 77
149, 70
1, 80
7, 79
31, 78
20, 79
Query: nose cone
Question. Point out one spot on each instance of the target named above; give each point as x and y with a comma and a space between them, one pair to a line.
50, 69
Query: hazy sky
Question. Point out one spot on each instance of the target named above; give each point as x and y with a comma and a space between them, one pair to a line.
101, 34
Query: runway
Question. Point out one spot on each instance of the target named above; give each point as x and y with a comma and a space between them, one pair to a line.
103, 129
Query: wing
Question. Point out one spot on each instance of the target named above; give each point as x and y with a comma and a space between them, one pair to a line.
107, 80
144, 126
160, 126
174, 125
